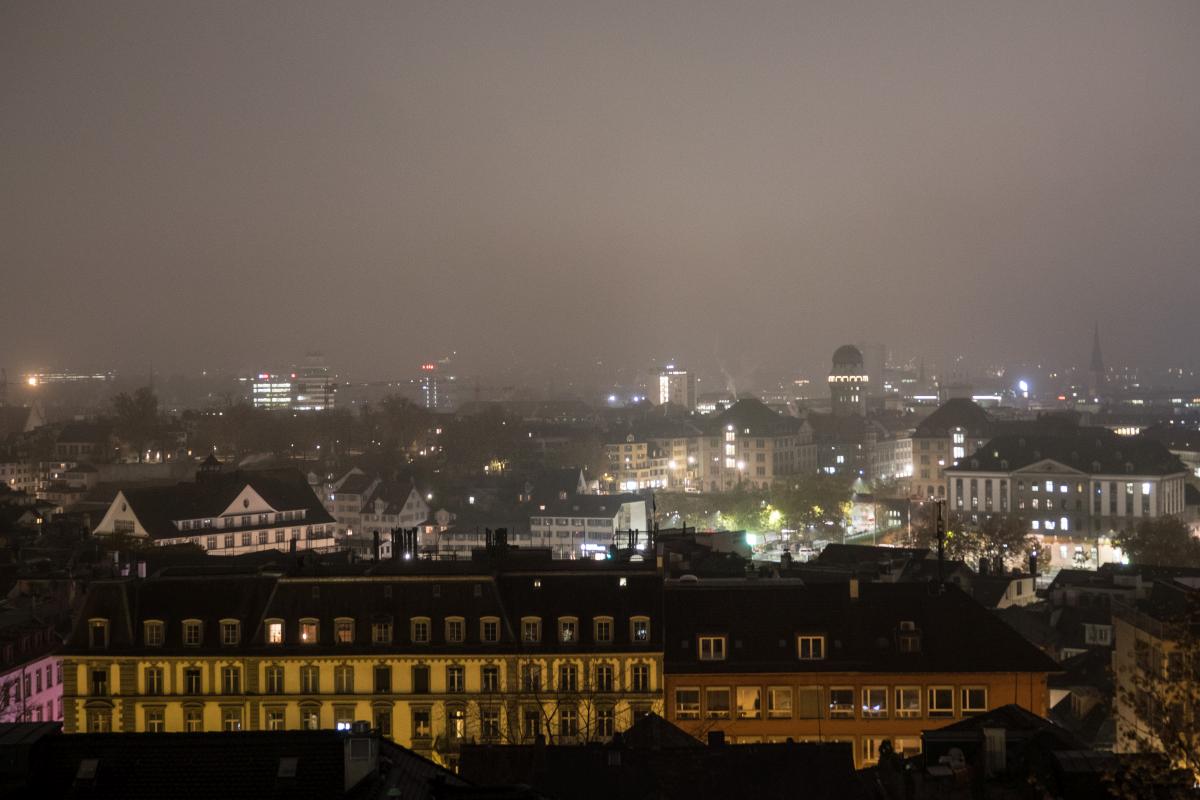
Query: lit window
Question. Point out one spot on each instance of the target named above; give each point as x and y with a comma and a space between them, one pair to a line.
874, 702
568, 630
640, 632
343, 631
275, 631
687, 703
749, 702
779, 702
908, 701
308, 631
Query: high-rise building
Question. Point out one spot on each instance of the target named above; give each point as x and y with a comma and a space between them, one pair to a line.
314, 389
848, 382
271, 390
677, 386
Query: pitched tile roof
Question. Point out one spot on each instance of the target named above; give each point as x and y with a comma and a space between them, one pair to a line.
763, 618
1089, 450
157, 507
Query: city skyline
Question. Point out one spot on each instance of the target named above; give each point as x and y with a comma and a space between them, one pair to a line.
532, 182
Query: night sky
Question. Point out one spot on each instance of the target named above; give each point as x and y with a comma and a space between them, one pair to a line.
232, 184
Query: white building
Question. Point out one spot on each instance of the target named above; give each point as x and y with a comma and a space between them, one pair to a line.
224, 513
1074, 490
677, 386
586, 525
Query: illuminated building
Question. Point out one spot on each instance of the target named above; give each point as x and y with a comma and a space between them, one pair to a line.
584, 526
313, 386
958, 427
224, 513
1074, 488
848, 382
432, 654
776, 660
271, 390
677, 386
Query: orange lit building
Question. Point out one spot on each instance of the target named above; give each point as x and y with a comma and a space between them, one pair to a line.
768, 660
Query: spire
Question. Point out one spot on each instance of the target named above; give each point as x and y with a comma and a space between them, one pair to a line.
1097, 361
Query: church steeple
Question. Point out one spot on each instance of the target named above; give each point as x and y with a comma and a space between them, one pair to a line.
1096, 376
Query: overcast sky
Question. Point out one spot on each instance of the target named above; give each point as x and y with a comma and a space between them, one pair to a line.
231, 184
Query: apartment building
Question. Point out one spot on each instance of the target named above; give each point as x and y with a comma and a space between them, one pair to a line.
431, 656
772, 660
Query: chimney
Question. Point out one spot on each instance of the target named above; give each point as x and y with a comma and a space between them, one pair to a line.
360, 755
854, 588
716, 738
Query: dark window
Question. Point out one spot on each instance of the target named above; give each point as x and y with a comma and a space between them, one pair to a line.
420, 680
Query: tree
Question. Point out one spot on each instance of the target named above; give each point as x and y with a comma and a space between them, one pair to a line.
137, 418
1164, 541
1158, 697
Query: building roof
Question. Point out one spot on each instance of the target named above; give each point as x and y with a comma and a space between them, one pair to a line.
1088, 450
585, 505
763, 618
158, 507
847, 355
960, 412
245, 764
525, 591
753, 414
668, 769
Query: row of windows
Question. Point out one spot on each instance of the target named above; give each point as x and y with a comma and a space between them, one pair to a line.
809, 647
565, 721
567, 678
567, 630
33, 683
840, 702
245, 520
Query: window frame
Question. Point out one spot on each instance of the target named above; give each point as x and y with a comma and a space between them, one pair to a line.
461, 635
679, 706
484, 622
809, 639
869, 712
340, 625
315, 624
711, 640
227, 625
901, 711
573, 624
771, 708
189, 625
271, 627
634, 621
531, 625
972, 711
159, 627
418, 624
938, 712
842, 710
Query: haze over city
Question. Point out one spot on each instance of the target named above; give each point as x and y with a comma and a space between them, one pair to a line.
735, 186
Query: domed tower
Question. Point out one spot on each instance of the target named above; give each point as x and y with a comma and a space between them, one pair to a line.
848, 382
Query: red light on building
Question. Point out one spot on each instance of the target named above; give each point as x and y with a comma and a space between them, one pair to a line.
428, 367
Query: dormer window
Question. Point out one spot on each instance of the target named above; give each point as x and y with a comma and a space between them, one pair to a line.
489, 629
456, 630
639, 629
343, 630
193, 632
908, 637
274, 631
98, 633
152, 633
309, 631
568, 630
420, 630
531, 629
603, 630
712, 648
230, 632
810, 648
